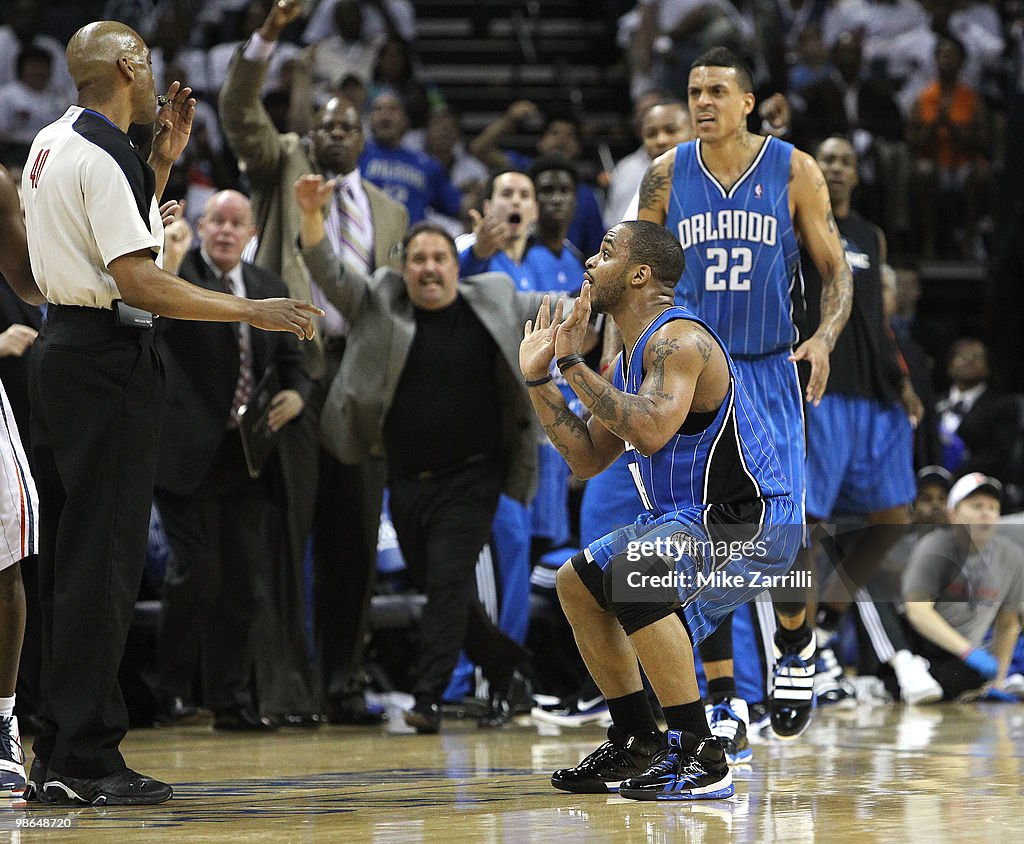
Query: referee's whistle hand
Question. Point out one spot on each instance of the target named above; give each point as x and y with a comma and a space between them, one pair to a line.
285, 315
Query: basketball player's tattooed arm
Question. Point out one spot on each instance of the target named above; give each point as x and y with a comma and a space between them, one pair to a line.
819, 234
588, 447
656, 187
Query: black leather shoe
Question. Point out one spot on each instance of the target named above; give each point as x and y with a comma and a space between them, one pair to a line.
506, 703
123, 788
243, 720
176, 712
302, 720
425, 717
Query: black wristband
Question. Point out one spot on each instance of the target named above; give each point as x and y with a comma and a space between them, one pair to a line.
539, 382
568, 361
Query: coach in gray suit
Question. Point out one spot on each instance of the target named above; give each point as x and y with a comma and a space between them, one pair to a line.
430, 386
345, 533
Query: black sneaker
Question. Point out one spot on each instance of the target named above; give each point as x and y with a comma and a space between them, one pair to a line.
425, 717
676, 774
123, 788
506, 703
34, 785
617, 759
791, 696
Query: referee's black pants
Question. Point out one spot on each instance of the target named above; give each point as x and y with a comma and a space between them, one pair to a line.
442, 523
95, 392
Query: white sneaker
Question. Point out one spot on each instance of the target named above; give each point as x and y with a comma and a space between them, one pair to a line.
917, 686
1014, 685
12, 758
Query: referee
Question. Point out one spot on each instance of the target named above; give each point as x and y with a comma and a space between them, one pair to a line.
94, 230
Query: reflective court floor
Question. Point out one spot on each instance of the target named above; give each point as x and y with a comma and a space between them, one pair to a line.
874, 774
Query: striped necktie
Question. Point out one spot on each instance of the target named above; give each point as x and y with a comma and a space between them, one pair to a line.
353, 231
246, 380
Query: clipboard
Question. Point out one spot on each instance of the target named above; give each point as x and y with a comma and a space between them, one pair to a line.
258, 441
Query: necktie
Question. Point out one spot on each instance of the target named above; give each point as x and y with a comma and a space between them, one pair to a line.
353, 232
246, 381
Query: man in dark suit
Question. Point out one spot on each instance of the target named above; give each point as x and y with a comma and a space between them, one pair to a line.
225, 528
977, 424
345, 531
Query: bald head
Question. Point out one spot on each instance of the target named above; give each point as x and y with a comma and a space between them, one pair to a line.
226, 227
108, 61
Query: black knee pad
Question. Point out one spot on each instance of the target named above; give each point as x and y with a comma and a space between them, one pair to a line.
640, 589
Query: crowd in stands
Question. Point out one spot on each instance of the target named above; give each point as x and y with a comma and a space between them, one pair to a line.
919, 87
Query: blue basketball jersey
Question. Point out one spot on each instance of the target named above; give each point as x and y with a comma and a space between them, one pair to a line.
742, 272
732, 461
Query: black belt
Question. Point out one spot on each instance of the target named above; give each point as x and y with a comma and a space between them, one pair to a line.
431, 474
119, 316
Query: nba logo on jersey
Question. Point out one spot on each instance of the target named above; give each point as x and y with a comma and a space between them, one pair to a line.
757, 191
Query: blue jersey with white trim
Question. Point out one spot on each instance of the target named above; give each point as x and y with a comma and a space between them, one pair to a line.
742, 271
732, 461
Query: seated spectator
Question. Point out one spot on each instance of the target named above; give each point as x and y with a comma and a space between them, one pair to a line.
443, 141
847, 102
962, 581
949, 136
20, 27
910, 57
561, 136
380, 18
977, 424
412, 178
812, 62
29, 102
344, 52
395, 70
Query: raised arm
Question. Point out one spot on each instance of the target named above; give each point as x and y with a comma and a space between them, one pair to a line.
343, 286
819, 234
248, 128
487, 145
656, 187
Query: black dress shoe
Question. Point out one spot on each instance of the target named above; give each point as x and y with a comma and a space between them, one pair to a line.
354, 711
302, 720
243, 720
425, 717
176, 712
505, 703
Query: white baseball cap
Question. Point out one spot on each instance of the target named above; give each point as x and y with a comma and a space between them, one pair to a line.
970, 484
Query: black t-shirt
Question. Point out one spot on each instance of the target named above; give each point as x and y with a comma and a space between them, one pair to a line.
445, 407
863, 362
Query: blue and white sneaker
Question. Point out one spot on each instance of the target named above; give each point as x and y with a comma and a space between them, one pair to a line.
676, 774
12, 758
831, 688
573, 711
728, 720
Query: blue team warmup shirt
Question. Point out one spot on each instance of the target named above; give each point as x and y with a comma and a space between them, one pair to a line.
413, 178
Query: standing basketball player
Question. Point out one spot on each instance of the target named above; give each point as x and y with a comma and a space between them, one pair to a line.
737, 202
719, 512
19, 507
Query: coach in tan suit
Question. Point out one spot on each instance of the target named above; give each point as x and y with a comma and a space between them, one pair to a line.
365, 229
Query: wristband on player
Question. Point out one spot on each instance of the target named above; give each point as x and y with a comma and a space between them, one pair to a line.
568, 362
538, 382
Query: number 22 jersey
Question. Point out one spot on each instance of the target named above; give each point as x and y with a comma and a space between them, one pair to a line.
742, 272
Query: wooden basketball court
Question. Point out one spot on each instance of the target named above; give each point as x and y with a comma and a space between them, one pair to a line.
874, 774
